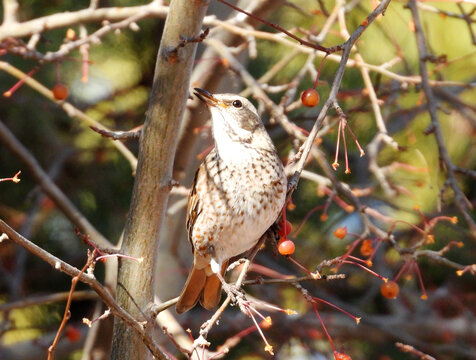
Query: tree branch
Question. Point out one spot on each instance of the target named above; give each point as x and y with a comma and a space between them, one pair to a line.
49, 187
159, 138
461, 201
103, 293
67, 19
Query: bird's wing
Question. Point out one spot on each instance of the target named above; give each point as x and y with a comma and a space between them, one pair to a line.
195, 203
194, 207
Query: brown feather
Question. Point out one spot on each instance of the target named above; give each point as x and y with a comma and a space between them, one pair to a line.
191, 291
197, 278
211, 293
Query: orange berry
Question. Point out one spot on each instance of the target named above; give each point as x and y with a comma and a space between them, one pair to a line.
341, 356
285, 229
390, 289
340, 232
70, 34
72, 333
60, 91
225, 63
430, 239
310, 97
286, 247
366, 249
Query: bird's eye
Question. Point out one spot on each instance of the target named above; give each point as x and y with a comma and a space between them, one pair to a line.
237, 103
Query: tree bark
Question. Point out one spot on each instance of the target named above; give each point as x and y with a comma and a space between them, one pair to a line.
154, 170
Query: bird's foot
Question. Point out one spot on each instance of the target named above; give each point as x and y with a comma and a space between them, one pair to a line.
237, 296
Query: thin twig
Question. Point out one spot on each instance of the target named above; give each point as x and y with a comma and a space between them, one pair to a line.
103, 293
279, 28
411, 350
48, 299
49, 187
67, 314
461, 201
71, 110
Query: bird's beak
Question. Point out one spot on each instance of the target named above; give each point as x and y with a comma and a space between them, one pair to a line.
207, 98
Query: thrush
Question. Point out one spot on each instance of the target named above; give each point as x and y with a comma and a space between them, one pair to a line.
237, 194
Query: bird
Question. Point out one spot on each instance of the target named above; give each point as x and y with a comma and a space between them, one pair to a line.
238, 192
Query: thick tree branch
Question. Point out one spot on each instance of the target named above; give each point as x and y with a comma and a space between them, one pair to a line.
158, 144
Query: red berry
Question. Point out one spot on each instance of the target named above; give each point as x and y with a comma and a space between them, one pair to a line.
341, 356
310, 97
72, 333
286, 247
285, 229
60, 91
390, 289
340, 232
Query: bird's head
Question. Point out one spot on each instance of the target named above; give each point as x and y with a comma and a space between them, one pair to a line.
231, 113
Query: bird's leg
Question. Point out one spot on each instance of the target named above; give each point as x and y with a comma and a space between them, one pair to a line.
235, 293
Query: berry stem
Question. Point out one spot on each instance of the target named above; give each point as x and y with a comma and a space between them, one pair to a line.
306, 218
315, 275
357, 319
423, 296
319, 70
323, 326
85, 62
366, 269
344, 123
377, 246
335, 165
268, 347
362, 152
20, 82
400, 273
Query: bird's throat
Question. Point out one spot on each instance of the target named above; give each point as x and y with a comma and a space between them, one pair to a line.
232, 144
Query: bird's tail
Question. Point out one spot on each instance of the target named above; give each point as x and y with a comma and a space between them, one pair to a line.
201, 285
